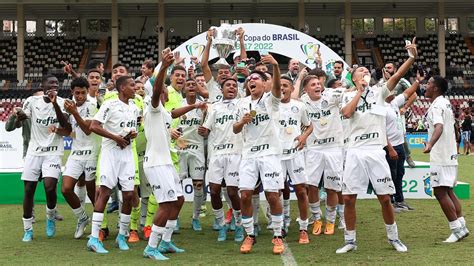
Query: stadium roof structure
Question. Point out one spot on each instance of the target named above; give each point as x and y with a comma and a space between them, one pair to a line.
244, 8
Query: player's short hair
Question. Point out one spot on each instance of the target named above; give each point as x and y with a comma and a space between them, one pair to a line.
95, 63
121, 81
80, 82
395, 65
199, 75
92, 70
339, 62
318, 72
138, 81
178, 67
285, 77
149, 64
46, 77
226, 80
261, 74
224, 67
308, 78
117, 65
332, 82
441, 83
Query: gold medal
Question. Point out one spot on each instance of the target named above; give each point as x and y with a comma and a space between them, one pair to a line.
323, 121
289, 130
183, 117
253, 113
181, 143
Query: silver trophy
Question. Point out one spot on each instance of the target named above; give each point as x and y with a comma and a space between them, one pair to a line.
224, 42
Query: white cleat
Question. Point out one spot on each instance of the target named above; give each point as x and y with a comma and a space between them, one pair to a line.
456, 235
398, 245
81, 227
464, 228
348, 246
342, 224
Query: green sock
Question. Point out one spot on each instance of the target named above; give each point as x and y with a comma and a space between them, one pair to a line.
134, 216
104, 222
151, 210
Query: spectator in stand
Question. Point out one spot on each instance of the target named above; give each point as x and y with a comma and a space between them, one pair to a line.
147, 72
457, 131
466, 128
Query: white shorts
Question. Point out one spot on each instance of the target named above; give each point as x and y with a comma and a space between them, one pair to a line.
267, 168
225, 167
192, 165
326, 165
164, 182
75, 168
364, 166
45, 166
295, 169
145, 188
117, 166
443, 175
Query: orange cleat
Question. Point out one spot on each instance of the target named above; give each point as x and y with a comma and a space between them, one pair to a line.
103, 234
317, 227
278, 246
329, 229
247, 245
304, 238
146, 232
133, 237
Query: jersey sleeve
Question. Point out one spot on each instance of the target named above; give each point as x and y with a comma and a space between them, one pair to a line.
437, 112
103, 114
346, 99
305, 121
208, 122
27, 107
383, 94
398, 101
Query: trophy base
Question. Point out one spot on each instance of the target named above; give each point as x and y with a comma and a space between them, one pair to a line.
221, 63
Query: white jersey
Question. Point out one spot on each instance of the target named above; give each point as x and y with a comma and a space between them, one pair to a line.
326, 119
260, 136
84, 147
293, 115
92, 100
367, 123
395, 132
148, 87
190, 123
214, 89
157, 125
43, 115
444, 151
117, 118
221, 117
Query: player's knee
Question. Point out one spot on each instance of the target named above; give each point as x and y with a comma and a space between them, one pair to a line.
215, 191
127, 196
66, 190
198, 185
232, 192
301, 193
246, 197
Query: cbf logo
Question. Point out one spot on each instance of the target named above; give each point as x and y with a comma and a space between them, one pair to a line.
195, 49
311, 50
427, 185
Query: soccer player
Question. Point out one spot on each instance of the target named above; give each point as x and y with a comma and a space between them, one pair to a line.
261, 152
191, 146
441, 146
45, 150
294, 116
160, 171
84, 152
324, 156
116, 122
224, 161
365, 159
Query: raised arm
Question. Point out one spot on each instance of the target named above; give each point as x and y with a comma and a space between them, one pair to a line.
183, 110
243, 51
349, 109
206, 70
412, 52
168, 59
71, 108
62, 119
276, 88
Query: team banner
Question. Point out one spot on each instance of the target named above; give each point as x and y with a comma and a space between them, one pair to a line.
266, 38
11, 149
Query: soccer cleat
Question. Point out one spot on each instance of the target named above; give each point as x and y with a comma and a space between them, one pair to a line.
50, 227
103, 234
317, 227
246, 246
222, 236
410, 162
58, 217
121, 242
133, 236
215, 225
28, 236
81, 227
239, 234
153, 253
304, 238
312, 219
405, 205
348, 246
342, 224
113, 206
398, 245
169, 247
466, 231
278, 246
146, 232
456, 235
329, 229
269, 225
96, 246
196, 225
232, 224
256, 229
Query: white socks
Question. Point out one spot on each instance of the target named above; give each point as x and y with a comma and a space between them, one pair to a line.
143, 210
392, 231
256, 207
248, 225
462, 221
349, 236
51, 213
155, 236
456, 224
316, 209
79, 213
331, 214
124, 224
81, 193
238, 217
303, 224
28, 223
277, 224
197, 203
97, 219
219, 213
169, 227
286, 208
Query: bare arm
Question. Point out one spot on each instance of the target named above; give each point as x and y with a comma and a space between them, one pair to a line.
206, 70
393, 81
183, 110
237, 127
168, 59
438, 130
348, 110
276, 88
243, 52
296, 93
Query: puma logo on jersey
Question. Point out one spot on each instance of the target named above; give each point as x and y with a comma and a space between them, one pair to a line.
46, 122
224, 119
260, 118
